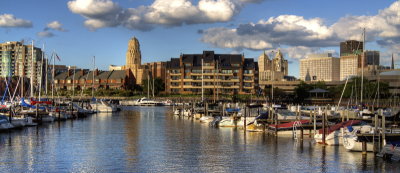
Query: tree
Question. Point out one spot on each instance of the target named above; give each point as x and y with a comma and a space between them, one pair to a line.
148, 85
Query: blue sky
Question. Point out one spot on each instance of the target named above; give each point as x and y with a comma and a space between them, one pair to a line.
80, 29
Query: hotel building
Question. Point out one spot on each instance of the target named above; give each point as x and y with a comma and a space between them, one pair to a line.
320, 67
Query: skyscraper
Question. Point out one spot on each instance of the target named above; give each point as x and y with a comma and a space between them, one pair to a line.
17, 59
351, 47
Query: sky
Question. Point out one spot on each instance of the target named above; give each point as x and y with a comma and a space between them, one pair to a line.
78, 30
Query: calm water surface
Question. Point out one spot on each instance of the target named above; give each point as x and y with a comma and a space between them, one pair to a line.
148, 139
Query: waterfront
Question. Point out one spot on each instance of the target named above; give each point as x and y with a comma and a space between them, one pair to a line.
151, 139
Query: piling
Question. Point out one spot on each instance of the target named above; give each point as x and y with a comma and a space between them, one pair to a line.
364, 147
375, 132
245, 113
323, 128
383, 128
10, 115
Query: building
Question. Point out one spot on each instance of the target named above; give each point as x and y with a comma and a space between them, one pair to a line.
156, 70
22, 60
134, 61
213, 73
351, 47
275, 69
320, 67
352, 65
83, 79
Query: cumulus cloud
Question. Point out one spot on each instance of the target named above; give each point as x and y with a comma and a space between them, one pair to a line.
106, 13
52, 26
56, 25
307, 35
45, 34
10, 21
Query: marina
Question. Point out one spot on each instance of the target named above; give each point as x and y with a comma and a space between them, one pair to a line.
153, 139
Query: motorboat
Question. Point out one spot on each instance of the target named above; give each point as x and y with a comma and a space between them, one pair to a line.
334, 134
351, 141
147, 102
103, 106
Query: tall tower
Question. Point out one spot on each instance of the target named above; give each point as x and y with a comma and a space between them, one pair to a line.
134, 60
133, 55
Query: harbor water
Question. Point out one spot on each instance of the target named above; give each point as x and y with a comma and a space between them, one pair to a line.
151, 139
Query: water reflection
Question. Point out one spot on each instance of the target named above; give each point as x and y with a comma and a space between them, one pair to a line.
146, 139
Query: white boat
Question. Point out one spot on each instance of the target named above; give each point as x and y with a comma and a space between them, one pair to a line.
168, 103
206, 119
350, 139
102, 106
334, 134
147, 102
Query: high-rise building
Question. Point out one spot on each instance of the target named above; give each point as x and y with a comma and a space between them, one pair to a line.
21, 60
320, 67
215, 73
351, 47
272, 70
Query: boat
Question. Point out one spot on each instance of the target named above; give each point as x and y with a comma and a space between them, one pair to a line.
147, 102
351, 141
4, 123
289, 128
334, 134
285, 114
102, 106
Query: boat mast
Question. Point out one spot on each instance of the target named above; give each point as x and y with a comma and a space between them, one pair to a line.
46, 77
362, 68
94, 66
41, 74
202, 80
52, 76
153, 83
148, 85
32, 70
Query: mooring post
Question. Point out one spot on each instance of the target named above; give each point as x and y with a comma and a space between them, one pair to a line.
383, 128
323, 128
375, 132
276, 122
245, 115
10, 115
364, 147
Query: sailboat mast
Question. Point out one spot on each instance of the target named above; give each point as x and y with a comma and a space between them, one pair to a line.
153, 83
148, 85
362, 68
202, 80
53, 75
41, 74
32, 69
94, 66
46, 77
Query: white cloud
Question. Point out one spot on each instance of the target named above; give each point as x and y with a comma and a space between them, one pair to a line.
106, 13
56, 25
309, 35
45, 34
10, 21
